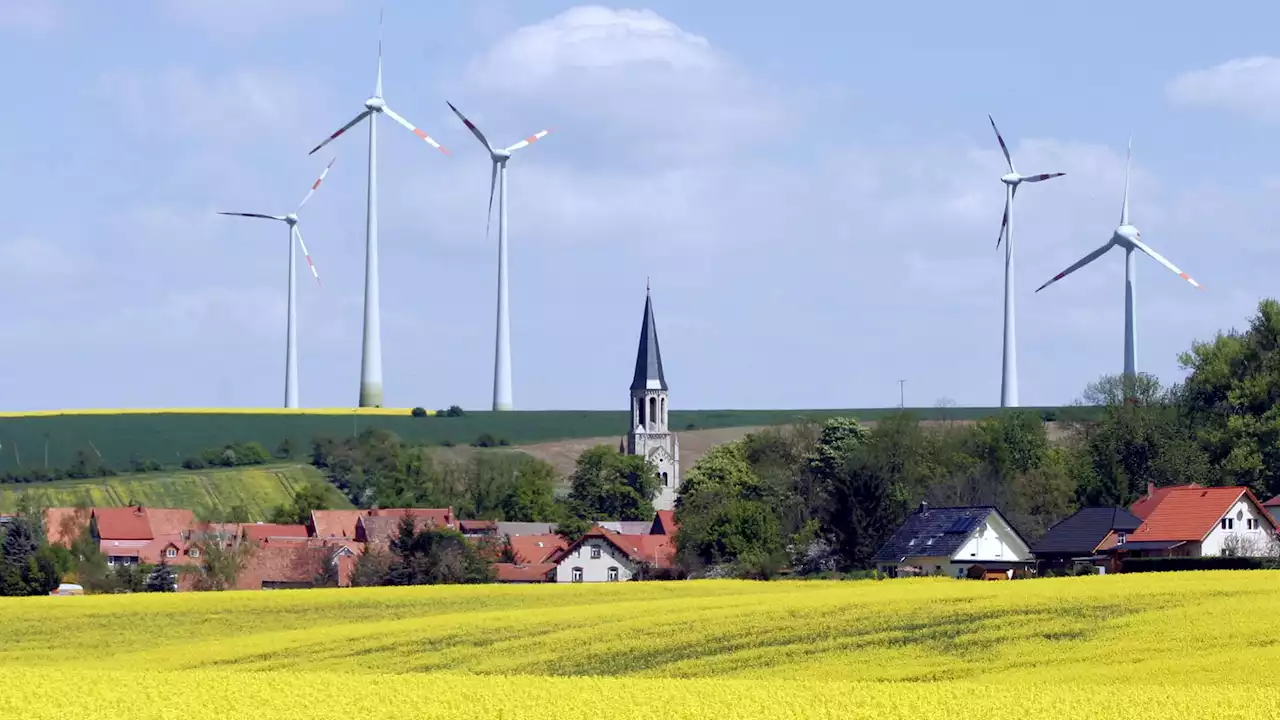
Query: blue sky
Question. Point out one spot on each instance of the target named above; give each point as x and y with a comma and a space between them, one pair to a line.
812, 188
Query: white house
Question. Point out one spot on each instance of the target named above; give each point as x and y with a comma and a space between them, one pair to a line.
950, 540
605, 556
1190, 521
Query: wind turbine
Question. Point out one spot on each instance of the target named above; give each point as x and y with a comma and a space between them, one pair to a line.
1009, 364
291, 342
371, 347
1130, 238
502, 351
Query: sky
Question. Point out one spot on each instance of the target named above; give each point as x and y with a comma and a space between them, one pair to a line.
811, 189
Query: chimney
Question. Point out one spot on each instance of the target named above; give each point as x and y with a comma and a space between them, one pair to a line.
924, 508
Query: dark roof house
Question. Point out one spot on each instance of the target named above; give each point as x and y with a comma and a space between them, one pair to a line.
1086, 532
932, 538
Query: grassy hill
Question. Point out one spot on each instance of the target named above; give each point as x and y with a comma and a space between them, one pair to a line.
257, 489
35, 439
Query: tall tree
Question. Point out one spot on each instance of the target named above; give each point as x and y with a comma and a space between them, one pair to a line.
434, 556
609, 485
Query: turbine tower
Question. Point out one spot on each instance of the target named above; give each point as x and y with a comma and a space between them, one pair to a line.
371, 347
1009, 364
1130, 238
498, 176
291, 331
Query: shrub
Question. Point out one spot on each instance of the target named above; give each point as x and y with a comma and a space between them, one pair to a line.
975, 572
488, 440
1169, 564
419, 412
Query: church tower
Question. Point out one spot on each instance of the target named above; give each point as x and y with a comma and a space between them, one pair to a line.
650, 435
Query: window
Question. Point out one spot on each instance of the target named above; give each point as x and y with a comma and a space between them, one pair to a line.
1228, 524
195, 552
613, 574
577, 552
595, 552
577, 574
1121, 537
171, 552
959, 572
1252, 524
665, 482
111, 560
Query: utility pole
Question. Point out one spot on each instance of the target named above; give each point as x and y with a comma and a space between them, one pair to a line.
902, 394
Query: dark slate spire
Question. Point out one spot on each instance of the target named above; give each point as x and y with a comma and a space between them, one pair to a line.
648, 356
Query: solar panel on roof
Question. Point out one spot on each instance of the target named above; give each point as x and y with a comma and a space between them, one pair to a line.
963, 524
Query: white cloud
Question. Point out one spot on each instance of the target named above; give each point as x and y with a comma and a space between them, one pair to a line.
1246, 86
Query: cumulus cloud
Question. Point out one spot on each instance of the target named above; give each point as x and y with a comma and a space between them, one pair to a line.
1249, 87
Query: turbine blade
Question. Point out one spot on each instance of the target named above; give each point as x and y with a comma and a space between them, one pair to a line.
471, 126
1160, 259
1042, 177
316, 185
531, 139
493, 181
254, 215
298, 234
1004, 148
412, 128
377, 88
1124, 209
1078, 264
343, 129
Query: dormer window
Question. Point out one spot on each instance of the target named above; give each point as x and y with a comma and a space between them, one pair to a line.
1121, 537
171, 552
194, 552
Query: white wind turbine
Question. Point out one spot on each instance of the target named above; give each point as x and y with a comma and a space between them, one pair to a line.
502, 351
371, 347
1130, 238
1009, 365
291, 342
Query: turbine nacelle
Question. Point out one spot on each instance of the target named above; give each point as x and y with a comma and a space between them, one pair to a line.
1128, 234
375, 104
1011, 178
499, 156
291, 218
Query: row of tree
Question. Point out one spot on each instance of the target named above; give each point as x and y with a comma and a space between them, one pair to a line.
89, 464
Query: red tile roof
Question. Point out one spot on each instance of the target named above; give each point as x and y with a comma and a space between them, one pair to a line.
537, 572
477, 525
335, 523
1273, 502
170, 521
1188, 513
536, 549
440, 517
656, 550
1145, 504
258, 532
664, 523
123, 523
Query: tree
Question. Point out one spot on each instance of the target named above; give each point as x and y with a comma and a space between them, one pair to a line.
609, 485
285, 449
1115, 390
222, 559
434, 556
311, 496
162, 578
572, 528
727, 515
26, 568
1232, 400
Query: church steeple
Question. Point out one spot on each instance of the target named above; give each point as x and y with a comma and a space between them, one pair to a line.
648, 374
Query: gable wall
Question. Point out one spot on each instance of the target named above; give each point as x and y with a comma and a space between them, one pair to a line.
594, 569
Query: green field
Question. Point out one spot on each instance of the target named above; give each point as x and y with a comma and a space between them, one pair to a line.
168, 438
257, 489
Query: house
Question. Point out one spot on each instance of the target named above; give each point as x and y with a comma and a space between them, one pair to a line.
626, 527
525, 573
1273, 506
334, 523
276, 532
1191, 521
478, 528
664, 523
602, 555
950, 540
536, 549
1082, 536
509, 529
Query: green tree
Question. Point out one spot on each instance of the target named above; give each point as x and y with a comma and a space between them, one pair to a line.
609, 485
1232, 400
222, 559
161, 578
434, 556
26, 568
311, 496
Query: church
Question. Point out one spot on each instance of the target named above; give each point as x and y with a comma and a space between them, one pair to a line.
650, 436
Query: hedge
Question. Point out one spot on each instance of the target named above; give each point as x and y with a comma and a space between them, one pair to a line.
1169, 564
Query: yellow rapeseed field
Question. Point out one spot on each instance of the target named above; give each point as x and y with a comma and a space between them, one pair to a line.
1160, 646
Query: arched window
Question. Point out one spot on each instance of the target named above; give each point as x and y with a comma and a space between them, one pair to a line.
640, 410
653, 409
664, 412
613, 574
665, 482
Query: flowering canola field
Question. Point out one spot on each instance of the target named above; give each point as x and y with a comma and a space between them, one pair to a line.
1177, 645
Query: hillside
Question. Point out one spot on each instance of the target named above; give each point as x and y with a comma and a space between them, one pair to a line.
257, 489
1066, 648
168, 437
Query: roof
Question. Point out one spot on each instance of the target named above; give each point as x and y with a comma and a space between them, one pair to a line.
1273, 502
536, 548
656, 550
648, 375
525, 528
63, 524
259, 532
335, 523
440, 517
627, 527
122, 523
664, 523
477, 525
511, 572
170, 521
1190, 513
1153, 545
1145, 504
933, 532
1082, 532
